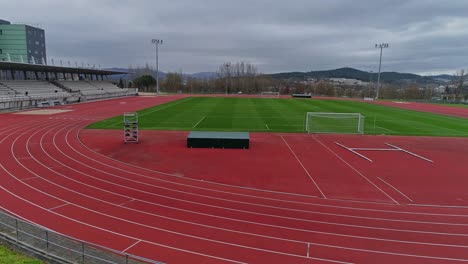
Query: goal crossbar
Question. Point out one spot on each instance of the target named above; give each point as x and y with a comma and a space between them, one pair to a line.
342, 123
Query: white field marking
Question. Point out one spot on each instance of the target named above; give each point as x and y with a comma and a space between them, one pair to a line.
152, 227
389, 130
178, 176
375, 149
409, 152
167, 106
391, 253
358, 172
229, 208
302, 165
443, 128
354, 152
267, 126
106, 230
398, 253
159, 173
393, 187
132, 245
57, 207
201, 120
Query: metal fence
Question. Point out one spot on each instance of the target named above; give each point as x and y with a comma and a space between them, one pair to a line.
60, 247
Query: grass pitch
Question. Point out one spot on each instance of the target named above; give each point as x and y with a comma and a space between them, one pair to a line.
285, 115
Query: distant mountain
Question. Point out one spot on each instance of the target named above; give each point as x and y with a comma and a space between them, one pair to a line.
443, 78
351, 73
203, 75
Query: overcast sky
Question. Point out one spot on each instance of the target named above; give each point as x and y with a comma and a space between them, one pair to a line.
425, 36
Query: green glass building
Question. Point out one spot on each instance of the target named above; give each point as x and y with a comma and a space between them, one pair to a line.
22, 43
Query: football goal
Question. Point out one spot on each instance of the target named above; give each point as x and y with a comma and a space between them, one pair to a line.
340, 123
270, 94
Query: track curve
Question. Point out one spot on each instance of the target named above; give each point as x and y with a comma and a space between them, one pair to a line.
51, 178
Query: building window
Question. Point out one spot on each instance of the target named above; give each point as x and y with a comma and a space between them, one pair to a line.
37, 42
1, 51
1, 31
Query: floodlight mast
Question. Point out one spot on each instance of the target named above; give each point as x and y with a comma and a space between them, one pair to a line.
381, 47
157, 42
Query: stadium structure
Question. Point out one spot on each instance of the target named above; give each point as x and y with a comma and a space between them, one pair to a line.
26, 79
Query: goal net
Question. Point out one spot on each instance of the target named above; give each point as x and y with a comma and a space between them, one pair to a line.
270, 94
343, 123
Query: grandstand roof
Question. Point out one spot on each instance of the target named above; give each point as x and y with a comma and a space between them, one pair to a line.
15, 66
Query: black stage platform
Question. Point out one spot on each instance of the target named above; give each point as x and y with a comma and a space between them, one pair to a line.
302, 95
232, 140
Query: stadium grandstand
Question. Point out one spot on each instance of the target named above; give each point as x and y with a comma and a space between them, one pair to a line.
24, 85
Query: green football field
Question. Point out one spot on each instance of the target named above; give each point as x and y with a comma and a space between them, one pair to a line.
287, 115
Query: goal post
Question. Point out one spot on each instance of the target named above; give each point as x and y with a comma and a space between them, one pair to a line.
340, 123
270, 94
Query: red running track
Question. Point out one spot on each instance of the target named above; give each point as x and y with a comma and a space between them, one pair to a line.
52, 173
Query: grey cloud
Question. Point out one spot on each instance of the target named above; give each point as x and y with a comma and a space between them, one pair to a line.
295, 35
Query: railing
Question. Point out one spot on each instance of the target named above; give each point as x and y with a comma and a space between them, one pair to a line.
60, 247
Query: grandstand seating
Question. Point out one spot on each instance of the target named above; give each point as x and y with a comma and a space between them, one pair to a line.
35, 89
34, 93
94, 89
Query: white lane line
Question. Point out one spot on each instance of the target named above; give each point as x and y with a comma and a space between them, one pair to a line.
393, 187
390, 253
358, 172
127, 202
153, 227
302, 165
30, 178
87, 209
267, 126
259, 205
132, 245
355, 152
409, 152
159, 173
103, 229
201, 120
57, 207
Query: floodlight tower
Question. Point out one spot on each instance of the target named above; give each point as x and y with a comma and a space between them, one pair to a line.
380, 46
157, 42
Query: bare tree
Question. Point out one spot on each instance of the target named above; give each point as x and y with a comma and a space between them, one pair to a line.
461, 75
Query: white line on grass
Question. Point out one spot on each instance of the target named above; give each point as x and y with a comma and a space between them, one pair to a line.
203, 118
308, 174
267, 126
183, 101
393, 187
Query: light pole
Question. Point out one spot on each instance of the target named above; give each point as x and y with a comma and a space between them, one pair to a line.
157, 42
381, 47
